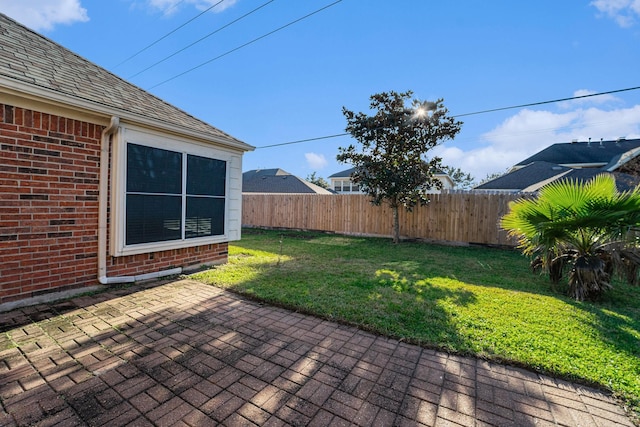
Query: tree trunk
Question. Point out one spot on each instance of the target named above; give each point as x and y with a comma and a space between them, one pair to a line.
396, 224
588, 278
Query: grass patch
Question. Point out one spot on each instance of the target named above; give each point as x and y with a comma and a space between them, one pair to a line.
466, 300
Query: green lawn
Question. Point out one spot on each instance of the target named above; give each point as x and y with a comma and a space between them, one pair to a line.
465, 300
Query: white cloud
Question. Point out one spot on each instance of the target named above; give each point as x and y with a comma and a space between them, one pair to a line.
44, 14
530, 131
586, 99
624, 12
169, 7
316, 161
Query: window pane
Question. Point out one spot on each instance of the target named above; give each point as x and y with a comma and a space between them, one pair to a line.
206, 177
205, 217
153, 218
152, 170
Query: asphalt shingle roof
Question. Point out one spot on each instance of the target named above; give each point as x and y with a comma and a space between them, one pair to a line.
583, 152
624, 182
525, 177
34, 60
277, 181
343, 174
539, 172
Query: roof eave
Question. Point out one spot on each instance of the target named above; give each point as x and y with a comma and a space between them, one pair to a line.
538, 185
620, 160
583, 165
86, 106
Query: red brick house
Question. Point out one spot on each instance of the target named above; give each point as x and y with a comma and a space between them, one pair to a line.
100, 181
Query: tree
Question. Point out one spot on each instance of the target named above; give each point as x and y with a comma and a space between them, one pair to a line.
391, 165
464, 181
317, 180
490, 177
590, 228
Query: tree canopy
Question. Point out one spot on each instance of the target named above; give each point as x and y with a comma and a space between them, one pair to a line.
462, 180
390, 163
317, 180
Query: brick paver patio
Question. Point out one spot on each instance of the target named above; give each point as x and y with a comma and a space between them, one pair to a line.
184, 353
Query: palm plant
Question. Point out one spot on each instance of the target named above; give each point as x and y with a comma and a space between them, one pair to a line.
587, 227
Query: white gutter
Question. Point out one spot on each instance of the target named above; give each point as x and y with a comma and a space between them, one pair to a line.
624, 158
102, 216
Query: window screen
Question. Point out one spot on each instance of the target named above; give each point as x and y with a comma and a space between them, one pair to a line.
160, 208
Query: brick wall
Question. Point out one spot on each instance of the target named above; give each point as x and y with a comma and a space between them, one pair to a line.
49, 171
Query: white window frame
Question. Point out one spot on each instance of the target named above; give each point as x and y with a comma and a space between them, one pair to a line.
346, 184
118, 246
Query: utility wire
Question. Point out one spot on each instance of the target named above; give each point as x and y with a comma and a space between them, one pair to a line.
245, 45
169, 33
549, 102
468, 114
305, 140
201, 39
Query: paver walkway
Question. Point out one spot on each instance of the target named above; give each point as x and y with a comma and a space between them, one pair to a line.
184, 353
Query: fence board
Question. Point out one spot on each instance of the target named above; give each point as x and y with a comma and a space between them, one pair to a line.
460, 217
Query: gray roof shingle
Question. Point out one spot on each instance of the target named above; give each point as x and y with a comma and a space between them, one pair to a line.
583, 152
277, 181
624, 182
343, 174
524, 177
539, 172
31, 59
556, 161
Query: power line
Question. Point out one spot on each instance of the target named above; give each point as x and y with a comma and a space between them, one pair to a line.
469, 114
305, 140
169, 33
549, 102
245, 45
201, 39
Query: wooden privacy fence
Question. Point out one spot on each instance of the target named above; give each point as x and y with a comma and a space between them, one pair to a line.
461, 218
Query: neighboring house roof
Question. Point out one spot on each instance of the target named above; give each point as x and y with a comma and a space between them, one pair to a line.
260, 173
33, 64
536, 175
596, 154
525, 177
277, 181
624, 182
343, 174
578, 161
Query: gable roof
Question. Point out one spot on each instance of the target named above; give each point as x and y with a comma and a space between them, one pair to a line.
536, 175
260, 173
624, 182
343, 174
277, 181
33, 64
598, 153
579, 161
525, 177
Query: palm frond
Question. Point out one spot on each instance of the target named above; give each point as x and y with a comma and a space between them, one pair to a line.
570, 218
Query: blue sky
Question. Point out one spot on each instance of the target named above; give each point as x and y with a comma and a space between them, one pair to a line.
292, 84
